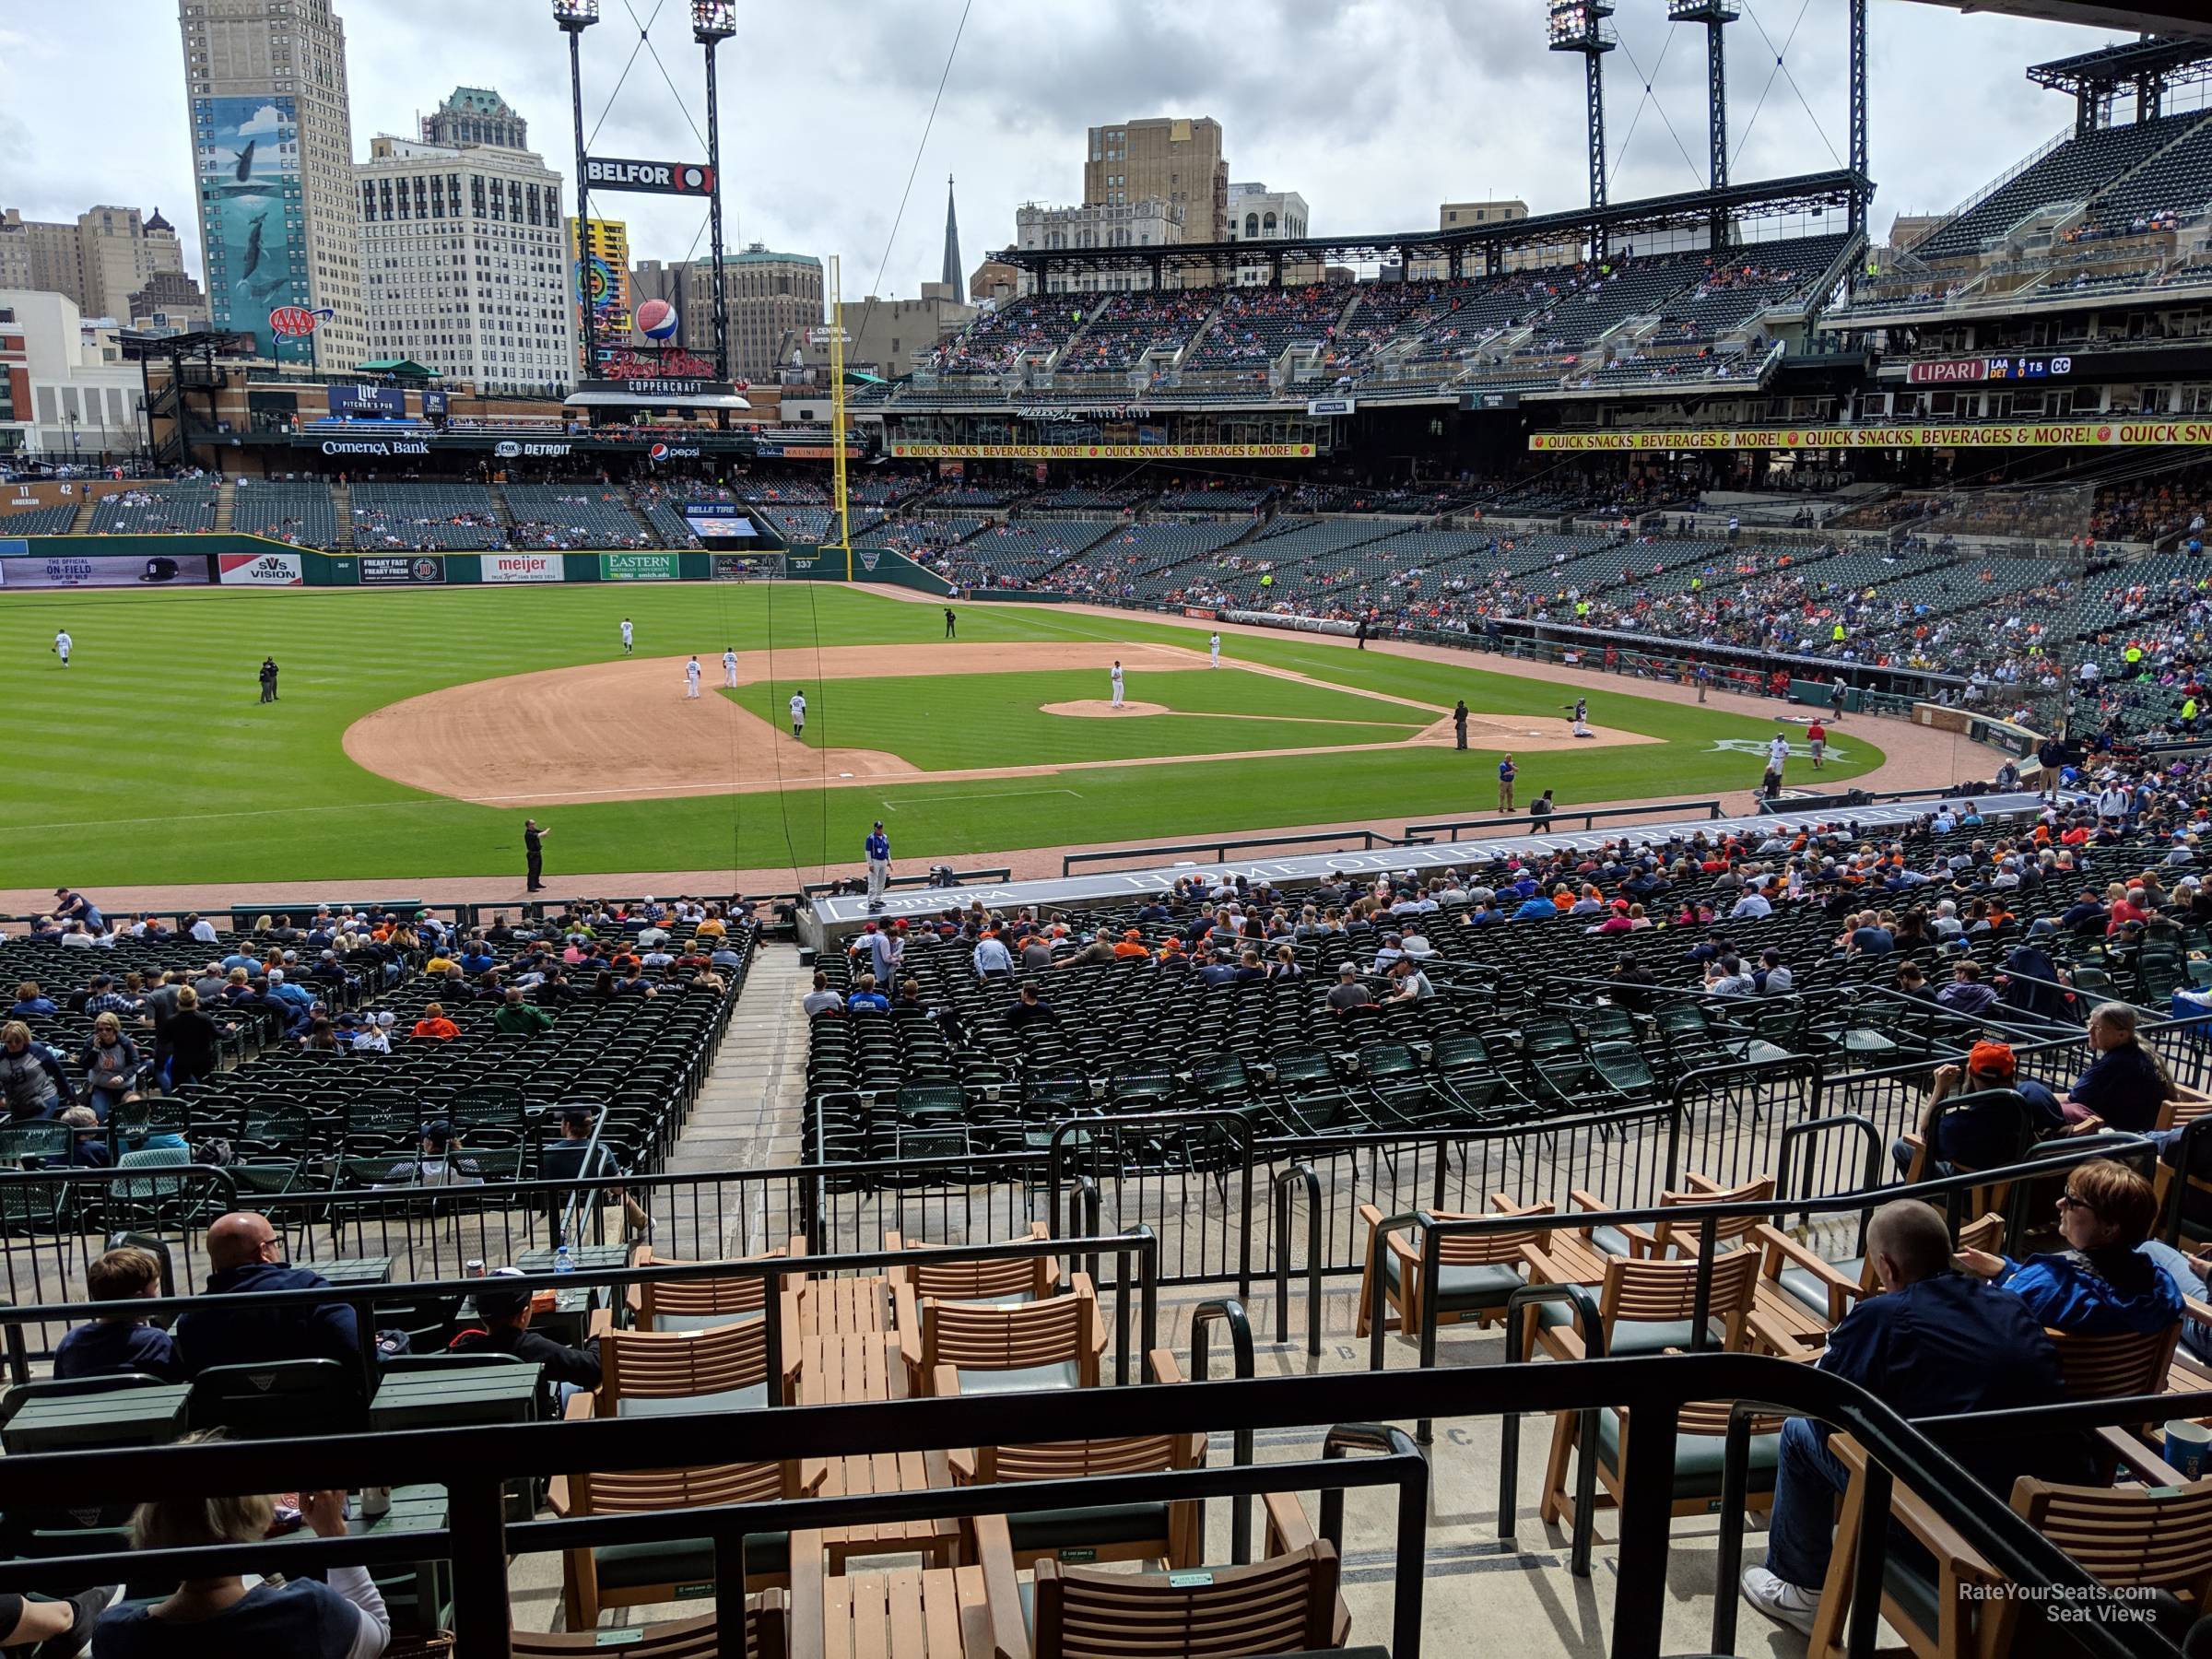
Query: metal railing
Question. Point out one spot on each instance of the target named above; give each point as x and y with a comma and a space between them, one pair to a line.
1587, 818
1368, 840
473, 1466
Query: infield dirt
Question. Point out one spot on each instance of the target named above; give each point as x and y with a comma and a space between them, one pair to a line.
624, 730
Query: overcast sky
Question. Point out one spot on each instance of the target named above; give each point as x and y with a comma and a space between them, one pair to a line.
1376, 110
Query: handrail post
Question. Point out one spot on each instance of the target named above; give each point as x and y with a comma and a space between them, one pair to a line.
771, 1300
1298, 1173
1700, 1306
1867, 1576
476, 1520
1736, 1488
1589, 1323
1231, 1312
1378, 1312
1646, 1503
1432, 1269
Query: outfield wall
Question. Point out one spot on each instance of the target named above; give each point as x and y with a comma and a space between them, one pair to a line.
224, 559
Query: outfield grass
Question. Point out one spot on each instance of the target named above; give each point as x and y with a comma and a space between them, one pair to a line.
150, 760
944, 722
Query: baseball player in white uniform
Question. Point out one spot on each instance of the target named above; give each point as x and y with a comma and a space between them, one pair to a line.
62, 645
798, 713
1117, 685
1214, 650
691, 677
729, 666
629, 637
1777, 753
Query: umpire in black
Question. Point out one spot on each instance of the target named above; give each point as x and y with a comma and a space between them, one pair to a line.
534, 850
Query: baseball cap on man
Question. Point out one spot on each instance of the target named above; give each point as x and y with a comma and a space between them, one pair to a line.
500, 1303
1991, 1060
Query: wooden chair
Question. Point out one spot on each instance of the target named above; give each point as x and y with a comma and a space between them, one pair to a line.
1830, 1288
701, 1304
1627, 1239
2179, 1113
766, 1636
1924, 1165
1151, 1531
1286, 1603
2109, 1368
650, 1373
1644, 1307
638, 1575
1476, 1273
2157, 1536
1052, 1344
1007, 1280
934, 1613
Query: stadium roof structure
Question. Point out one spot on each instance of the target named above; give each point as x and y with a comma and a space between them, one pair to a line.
2117, 65
2145, 17
1770, 198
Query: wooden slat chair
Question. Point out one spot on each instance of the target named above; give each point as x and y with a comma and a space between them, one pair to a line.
2154, 1537
664, 1306
1476, 1273
2018, 1125
650, 1373
2107, 1368
1052, 1344
1286, 1603
932, 1613
1627, 1239
1005, 1282
638, 1575
1644, 1307
1830, 1288
2195, 1195
1700, 1454
1150, 1532
766, 1636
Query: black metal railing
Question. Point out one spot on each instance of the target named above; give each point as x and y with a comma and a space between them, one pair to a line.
1368, 839
1588, 817
473, 1466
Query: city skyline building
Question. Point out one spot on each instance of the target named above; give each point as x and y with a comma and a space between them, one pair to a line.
272, 131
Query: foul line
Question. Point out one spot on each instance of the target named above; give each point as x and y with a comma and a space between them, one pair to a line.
996, 795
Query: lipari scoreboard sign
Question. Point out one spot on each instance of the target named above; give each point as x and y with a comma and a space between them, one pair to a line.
2039, 434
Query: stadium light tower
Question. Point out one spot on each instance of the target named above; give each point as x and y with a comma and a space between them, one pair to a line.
574, 16
1581, 26
1716, 15
713, 22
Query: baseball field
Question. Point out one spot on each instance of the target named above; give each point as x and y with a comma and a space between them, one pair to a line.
415, 729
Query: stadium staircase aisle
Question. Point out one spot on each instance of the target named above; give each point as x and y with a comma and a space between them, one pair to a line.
82, 523
499, 506
747, 1114
226, 505
341, 503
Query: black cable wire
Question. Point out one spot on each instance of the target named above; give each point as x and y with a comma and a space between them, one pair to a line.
645, 38
620, 80
884, 264
1650, 95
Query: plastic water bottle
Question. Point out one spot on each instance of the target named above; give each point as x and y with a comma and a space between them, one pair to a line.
562, 1261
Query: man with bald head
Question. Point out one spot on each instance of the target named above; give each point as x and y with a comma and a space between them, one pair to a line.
1934, 1342
246, 1258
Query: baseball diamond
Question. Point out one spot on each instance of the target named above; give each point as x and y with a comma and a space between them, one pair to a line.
379, 763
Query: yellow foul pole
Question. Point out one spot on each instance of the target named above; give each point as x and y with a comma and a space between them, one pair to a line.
837, 408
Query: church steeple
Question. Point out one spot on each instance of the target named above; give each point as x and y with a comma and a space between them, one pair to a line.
951, 273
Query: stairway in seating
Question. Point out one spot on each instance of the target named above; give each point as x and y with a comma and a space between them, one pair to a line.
226, 504
341, 504
82, 523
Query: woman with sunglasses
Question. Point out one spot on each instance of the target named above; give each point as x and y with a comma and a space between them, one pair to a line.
2101, 1284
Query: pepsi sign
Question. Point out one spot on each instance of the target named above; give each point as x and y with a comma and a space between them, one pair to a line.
650, 178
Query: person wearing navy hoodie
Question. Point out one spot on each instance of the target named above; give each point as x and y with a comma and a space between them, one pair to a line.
244, 1250
118, 1344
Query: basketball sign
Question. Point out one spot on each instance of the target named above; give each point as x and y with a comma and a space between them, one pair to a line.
291, 321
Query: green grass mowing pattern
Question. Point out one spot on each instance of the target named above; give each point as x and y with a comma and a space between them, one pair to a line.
150, 760
946, 723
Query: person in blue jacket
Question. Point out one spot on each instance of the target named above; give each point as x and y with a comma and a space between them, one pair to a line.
2101, 1284
246, 1256
1934, 1343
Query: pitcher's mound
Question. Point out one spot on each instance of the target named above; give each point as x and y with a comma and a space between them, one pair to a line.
1099, 708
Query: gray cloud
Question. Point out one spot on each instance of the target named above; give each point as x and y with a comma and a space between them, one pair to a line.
1377, 110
